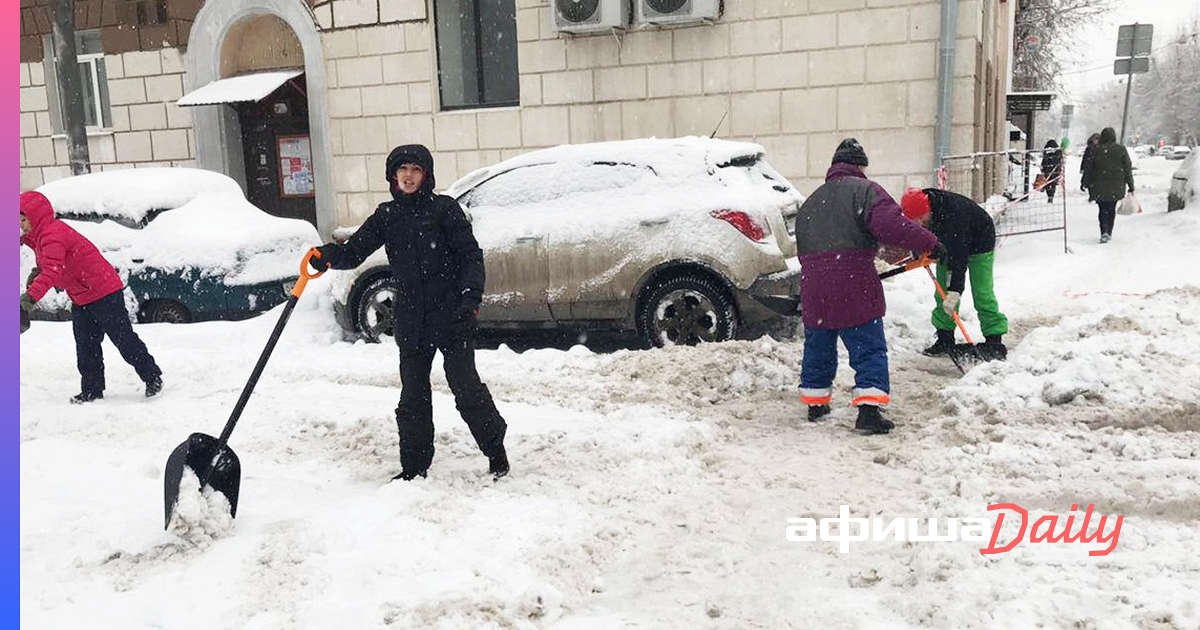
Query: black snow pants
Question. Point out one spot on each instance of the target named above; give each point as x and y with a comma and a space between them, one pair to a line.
1108, 216
107, 316
414, 415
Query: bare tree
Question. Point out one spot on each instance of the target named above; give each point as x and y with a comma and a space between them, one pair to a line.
1042, 35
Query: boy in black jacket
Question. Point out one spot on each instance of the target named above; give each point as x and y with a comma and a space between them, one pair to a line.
969, 236
438, 266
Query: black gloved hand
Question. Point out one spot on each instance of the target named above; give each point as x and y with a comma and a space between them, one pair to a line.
462, 320
939, 252
26, 303
325, 261
32, 276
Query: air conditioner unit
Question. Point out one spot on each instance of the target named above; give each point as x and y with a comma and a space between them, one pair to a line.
589, 16
672, 12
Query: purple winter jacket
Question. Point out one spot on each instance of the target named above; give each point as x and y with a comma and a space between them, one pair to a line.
838, 232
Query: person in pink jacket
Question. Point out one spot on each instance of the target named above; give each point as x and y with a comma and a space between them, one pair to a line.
66, 260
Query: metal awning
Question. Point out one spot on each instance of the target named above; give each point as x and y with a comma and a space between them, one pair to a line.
239, 89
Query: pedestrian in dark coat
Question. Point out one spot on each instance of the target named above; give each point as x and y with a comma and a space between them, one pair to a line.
1089, 153
838, 232
1109, 175
968, 234
1051, 168
66, 260
438, 267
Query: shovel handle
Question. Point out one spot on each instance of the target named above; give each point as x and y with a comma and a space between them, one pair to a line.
954, 314
306, 272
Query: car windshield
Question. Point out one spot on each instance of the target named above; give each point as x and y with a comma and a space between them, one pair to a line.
546, 182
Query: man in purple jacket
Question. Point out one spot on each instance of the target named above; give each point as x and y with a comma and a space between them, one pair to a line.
838, 231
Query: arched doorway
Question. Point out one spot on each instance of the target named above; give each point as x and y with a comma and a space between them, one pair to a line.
276, 145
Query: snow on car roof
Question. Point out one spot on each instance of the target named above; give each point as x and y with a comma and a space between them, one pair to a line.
667, 156
209, 225
129, 195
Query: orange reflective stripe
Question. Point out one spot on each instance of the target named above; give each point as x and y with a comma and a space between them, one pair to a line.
816, 400
877, 400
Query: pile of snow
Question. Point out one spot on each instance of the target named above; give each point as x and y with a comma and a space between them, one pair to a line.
200, 516
1120, 357
193, 219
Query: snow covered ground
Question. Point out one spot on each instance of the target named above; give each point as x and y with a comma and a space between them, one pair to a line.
650, 489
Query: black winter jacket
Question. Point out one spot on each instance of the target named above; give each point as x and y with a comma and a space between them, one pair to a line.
1110, 172
432, 252
963, 228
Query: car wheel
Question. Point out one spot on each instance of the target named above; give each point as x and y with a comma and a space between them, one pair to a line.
375, 312
166, 312
687, 310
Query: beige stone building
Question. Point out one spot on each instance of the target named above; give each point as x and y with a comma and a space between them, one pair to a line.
482, 80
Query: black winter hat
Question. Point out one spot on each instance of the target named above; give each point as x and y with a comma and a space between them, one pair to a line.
850, 152
1108, 134
410, 154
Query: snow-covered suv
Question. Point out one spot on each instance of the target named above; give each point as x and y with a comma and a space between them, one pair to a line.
682, 240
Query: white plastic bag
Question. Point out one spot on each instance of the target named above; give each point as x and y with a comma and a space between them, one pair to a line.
1129, 205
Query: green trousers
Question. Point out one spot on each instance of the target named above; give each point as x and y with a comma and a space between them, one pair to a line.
983, 294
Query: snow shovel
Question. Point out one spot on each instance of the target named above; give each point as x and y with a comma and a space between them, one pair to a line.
968, 353
213, 462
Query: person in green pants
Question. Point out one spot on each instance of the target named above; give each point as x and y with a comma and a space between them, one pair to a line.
969, 236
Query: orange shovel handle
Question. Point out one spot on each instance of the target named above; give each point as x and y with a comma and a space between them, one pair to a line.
306, 272
954, 314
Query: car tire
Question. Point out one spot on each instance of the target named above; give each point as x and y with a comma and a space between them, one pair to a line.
166, 312
686, 309
374, 309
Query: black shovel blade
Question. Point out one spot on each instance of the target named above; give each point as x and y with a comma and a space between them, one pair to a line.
221, 471
966, 355
24, 321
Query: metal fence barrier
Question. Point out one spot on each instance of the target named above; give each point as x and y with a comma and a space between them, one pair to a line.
1010, 186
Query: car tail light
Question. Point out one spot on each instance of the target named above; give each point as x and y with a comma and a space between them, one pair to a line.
753, 227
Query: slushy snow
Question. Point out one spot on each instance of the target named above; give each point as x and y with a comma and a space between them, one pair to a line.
649, 489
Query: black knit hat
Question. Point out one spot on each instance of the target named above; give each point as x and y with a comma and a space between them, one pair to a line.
850, 152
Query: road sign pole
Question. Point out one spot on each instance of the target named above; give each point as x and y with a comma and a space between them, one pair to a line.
1128, 88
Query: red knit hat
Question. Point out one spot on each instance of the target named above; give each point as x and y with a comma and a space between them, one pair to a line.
915, 204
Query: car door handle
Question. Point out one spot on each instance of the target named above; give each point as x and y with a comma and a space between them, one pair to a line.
138, 260
653, 222
528, 239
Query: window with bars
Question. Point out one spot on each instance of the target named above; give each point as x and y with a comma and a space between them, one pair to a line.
93, 82
477, 53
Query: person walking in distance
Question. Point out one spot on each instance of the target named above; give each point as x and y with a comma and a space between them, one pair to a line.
1109, 175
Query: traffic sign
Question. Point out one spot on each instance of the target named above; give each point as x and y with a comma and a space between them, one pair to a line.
1133, 40
1136, 65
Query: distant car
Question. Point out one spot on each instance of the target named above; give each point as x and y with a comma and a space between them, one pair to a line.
1184, 184
1143, 150
681, 240
185, 241
1176, 152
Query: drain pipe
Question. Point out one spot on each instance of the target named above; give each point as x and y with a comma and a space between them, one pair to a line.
945, 107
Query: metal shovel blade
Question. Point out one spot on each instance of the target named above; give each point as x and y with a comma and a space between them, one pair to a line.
966, 355
214, 465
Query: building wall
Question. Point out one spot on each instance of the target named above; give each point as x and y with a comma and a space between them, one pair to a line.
796, 76
792, 75
148, 128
